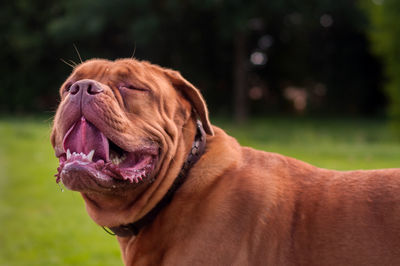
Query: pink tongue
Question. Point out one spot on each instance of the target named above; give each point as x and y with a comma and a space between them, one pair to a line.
84, 137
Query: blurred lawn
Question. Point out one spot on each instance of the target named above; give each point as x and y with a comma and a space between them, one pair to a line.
41, 225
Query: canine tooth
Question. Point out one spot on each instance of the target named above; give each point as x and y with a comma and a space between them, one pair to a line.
90, 155
68, 154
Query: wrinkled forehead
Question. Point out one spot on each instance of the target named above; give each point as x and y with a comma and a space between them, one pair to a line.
123, 69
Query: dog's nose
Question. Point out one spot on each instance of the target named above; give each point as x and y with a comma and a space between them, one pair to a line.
88, 86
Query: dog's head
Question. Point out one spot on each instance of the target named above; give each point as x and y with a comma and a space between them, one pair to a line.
122, 131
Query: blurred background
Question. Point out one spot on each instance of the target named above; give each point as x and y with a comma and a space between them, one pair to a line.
247, 57
316, 80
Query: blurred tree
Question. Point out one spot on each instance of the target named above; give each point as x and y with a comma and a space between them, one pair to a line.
319, 47
246, 56
384, 32
25, 48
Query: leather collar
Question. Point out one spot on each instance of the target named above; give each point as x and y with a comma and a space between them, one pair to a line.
194, 155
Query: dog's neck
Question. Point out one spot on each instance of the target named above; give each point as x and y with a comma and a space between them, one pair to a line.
194, 155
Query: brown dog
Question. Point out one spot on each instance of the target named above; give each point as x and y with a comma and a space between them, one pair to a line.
127, 139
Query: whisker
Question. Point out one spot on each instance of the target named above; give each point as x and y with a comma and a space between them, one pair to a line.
134, 51
79, 55
51, 118
68, 64
73, 62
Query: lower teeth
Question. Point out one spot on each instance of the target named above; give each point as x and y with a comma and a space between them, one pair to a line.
116, 159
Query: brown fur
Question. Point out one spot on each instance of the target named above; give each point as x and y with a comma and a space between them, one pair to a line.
238, 206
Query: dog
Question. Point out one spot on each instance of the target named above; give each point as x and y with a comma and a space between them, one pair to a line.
136, 141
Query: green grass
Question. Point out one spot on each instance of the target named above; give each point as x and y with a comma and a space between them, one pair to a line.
41, 225
341, 144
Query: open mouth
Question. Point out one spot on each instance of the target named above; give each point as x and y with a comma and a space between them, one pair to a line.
89, 153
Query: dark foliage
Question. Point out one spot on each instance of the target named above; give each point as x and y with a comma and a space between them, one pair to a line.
315, 50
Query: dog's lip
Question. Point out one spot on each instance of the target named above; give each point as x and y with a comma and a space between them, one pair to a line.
141, 170
133, 166
59, 152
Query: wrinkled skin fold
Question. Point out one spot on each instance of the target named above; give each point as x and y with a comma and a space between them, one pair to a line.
122, 132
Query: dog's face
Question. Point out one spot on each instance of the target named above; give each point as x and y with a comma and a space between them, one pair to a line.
119, 125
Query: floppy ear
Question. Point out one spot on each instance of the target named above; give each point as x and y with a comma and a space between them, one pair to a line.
193, 95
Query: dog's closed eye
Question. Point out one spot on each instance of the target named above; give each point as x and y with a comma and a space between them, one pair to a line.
131, 87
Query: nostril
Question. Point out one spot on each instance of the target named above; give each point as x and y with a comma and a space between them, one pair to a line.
74, 89
86, 86
94, 89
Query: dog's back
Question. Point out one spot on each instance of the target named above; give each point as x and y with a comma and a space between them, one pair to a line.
267, 209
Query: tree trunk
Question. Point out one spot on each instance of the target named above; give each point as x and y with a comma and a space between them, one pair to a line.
239, 79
